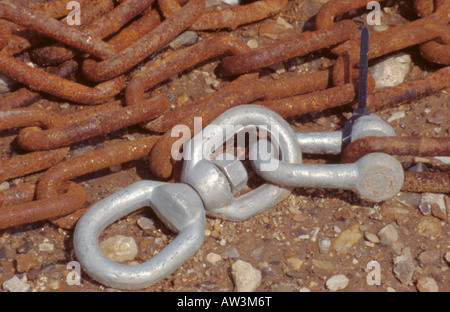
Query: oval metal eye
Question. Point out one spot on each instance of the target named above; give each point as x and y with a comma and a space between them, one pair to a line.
177, 205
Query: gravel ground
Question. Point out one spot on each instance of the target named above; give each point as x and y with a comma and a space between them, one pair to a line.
315, 240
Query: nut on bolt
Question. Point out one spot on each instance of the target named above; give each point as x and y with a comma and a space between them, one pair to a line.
234, 170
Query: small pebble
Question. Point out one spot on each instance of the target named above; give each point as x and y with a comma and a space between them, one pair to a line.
427, 284
4, 186
447, 257
433, 203
396, 116
46, 247
15, 284
429, 227
145, 223
346, 239
186, 39
404, 266
213, 258
337, 282
115, 168
119, 248
252, 43
28, 261
391, 71
246, 277
372, 237
294, 263
324, 245
3, 256
428, 257
443, 159
232, 253
389, 236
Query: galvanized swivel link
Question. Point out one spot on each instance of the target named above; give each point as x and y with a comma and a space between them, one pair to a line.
211, 185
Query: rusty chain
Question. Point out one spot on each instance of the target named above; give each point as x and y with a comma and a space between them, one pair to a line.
115, 38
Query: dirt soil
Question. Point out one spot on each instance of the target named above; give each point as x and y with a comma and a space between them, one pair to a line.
294, 229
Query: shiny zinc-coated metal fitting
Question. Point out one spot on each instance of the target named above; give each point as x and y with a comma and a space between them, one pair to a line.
330, 142
375, 177
213, 185
177, 205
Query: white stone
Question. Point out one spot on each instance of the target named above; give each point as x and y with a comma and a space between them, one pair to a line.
15, 284
404, 266
252, 43
447, 257
324, 245
443, 159
427, 284
396, 115
232, 2
46, 247
119, 248
213, 258
145, 223
246, 277
4, 186
337, 282
391, 71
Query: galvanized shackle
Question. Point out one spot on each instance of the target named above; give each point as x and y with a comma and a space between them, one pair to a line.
218, 181
177, 205
375, 177
330, 142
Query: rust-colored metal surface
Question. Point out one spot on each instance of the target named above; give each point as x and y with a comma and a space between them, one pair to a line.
33, 139
282, 50
427, 182
102, 27
120, 88
419, 146
146, 45
230, 17
29, 163
179, 61
38, 210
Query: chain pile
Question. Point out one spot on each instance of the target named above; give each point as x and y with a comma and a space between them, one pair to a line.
116, 38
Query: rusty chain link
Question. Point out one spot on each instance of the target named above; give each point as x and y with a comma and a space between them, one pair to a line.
115, 39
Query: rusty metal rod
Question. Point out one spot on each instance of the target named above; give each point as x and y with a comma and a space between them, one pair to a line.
418, 146
29, 163
39, 210
271, 90
312, 102
25, 117
17, 195
55, 29
102, 27
396, 38
229, 17
51, 181
179, 61
33, 139
39, 80
285, 49
409, 91
329, 11
24, 97
145, 46
431, 182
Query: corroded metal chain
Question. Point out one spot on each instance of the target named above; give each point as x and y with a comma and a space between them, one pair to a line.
116, 38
